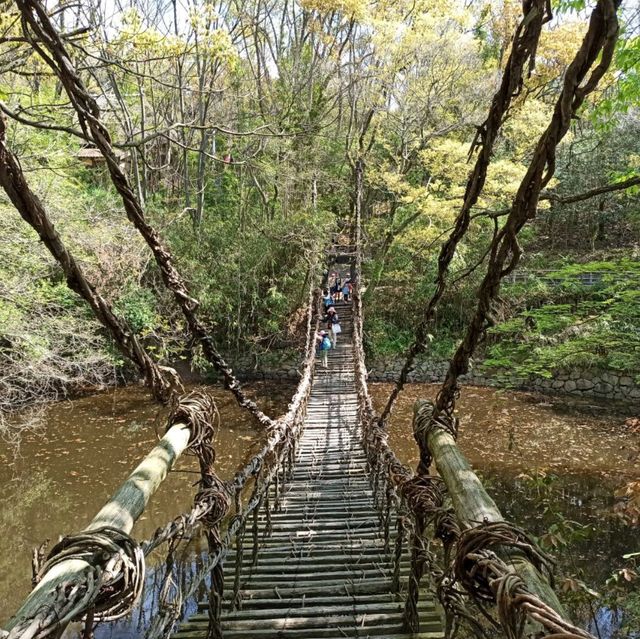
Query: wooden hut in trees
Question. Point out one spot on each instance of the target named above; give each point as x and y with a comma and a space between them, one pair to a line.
92, 157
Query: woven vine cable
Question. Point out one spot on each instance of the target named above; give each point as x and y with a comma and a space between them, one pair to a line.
582, 77
424, 495
211, 505
162, 381
111, 583
521, 61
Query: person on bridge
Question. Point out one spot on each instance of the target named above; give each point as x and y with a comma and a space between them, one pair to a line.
333, 324
346, 290
336, 289
323, 344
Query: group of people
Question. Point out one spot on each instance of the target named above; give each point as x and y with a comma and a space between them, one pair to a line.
327, 339
341, 290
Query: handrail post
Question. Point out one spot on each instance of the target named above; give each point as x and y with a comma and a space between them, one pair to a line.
235, 599
418, 561
401, 527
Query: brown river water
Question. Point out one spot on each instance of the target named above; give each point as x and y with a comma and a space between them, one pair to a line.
545, 463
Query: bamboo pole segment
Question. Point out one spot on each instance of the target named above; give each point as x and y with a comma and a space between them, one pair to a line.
120, 512
473, 506
130, 500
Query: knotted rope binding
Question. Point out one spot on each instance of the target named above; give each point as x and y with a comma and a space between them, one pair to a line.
476, 554
487, 577
116, 582
425, 422
199, 412
215, 501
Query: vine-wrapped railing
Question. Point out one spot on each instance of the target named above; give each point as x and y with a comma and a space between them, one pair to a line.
98, 574
389, 477
486, 561
393, 483
270, 467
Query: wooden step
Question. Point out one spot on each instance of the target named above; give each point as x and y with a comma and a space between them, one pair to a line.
319, 588
311, 563
323, 600
366, 624
389, 632
287, 553
300, 609
276, 575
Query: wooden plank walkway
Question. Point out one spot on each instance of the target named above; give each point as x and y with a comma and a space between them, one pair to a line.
323, 572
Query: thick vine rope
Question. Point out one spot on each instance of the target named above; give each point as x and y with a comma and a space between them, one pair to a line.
484, 540
45, 39
120, 565
425, 422
110, 585
521, 60
590, 63
425, 499
213, 501
199, 411
487, 577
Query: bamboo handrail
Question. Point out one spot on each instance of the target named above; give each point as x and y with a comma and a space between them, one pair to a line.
120, 513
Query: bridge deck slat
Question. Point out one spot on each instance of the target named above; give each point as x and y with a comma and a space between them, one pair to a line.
323, 572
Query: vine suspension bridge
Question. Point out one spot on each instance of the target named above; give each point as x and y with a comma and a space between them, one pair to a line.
323, 533
325, 569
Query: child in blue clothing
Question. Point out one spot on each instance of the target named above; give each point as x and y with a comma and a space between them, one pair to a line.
323, 344
346, 290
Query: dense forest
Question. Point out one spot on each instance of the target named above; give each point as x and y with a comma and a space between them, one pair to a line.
236, 123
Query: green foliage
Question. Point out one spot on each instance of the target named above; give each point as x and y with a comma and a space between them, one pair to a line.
138, 307
245, 214
588, 326
625, 92
384, 338
250, 274
568, 5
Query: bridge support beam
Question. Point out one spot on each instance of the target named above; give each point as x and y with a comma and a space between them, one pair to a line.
473, 506
120, 512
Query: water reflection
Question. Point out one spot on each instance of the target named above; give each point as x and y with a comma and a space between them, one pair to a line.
513, 431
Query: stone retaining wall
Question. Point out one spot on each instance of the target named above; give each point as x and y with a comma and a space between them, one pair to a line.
279, 365
589, 383
581, 383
